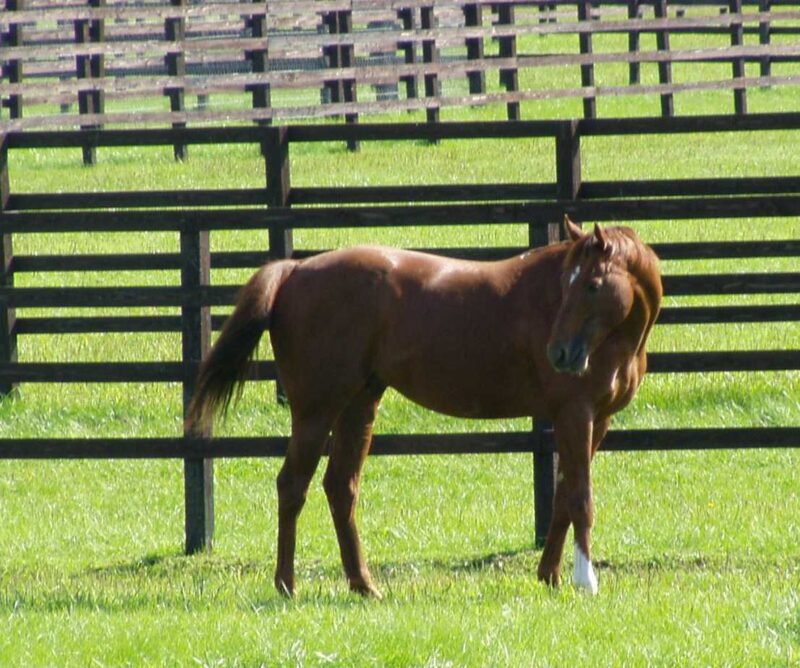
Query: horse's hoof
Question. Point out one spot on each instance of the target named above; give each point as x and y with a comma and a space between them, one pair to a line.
365, 589
590, 588
584, 576
551, 579
284, 589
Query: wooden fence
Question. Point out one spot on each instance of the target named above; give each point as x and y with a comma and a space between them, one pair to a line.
140, 62
279, 208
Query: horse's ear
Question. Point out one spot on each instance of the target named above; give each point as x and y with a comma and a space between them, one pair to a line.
601, 239
573, 231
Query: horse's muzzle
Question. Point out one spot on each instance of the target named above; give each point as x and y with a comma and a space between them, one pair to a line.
571, 357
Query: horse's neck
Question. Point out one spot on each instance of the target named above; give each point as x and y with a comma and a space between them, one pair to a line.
639, 322
648, 289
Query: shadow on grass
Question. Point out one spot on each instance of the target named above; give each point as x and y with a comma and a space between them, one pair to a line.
195, 584
206, 582
495, 560
144, 563
698, 562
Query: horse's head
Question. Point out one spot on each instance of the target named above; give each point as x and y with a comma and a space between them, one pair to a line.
599, 293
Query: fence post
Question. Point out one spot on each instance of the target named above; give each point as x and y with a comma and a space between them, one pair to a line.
331, 90
473, 17
259, 61
507, 47
430, 54
545, 458
195, 342
347, 58
764, 38
8, 334
14, 67
737, 40
97, 34
409, 49
568, 161
634, 68
341, 55
175, 61
276, 157
83, 71
664, 66
90, 67
587, 70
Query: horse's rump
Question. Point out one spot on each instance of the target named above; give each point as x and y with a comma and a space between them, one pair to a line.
224, 370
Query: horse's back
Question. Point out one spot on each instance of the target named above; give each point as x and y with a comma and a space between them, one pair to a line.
400, 273
376, 286
383, 260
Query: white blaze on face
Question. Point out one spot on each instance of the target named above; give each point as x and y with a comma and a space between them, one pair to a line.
574, 275
584, 576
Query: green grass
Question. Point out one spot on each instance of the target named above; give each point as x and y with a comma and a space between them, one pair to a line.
699, 573
697, 552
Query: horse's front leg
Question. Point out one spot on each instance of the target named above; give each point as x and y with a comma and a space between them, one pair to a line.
576, 441
550, 563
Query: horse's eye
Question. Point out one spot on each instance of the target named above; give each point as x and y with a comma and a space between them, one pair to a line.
594, 285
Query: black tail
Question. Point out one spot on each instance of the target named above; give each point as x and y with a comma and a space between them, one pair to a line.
223, 372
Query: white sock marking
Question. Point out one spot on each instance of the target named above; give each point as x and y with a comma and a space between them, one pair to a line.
584, 576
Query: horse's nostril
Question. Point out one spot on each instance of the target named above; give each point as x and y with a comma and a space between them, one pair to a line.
577, 355
557, 354
570, 357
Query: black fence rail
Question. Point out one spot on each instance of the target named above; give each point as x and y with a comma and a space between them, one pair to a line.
279, 208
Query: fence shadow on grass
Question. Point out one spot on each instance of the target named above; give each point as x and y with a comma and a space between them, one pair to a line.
698, 562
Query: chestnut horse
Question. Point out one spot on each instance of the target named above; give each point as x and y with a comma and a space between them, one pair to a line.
556, 333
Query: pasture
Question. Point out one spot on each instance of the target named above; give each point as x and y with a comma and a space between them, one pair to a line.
697, 553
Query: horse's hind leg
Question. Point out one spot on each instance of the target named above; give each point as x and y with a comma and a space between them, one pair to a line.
352, 435
302, 456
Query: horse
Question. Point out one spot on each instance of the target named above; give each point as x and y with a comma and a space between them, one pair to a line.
557, 333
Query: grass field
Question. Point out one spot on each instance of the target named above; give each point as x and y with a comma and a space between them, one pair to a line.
698, 553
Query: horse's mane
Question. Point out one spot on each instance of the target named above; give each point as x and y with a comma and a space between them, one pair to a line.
638, 258
642, 263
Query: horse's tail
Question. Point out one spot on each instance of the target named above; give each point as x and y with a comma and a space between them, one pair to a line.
223, 372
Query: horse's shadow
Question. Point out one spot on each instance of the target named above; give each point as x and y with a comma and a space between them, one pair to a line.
492, 561
147, 562
176, 580
183, 582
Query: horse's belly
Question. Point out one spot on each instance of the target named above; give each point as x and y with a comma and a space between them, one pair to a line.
465, 362
467, 407
466, 392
